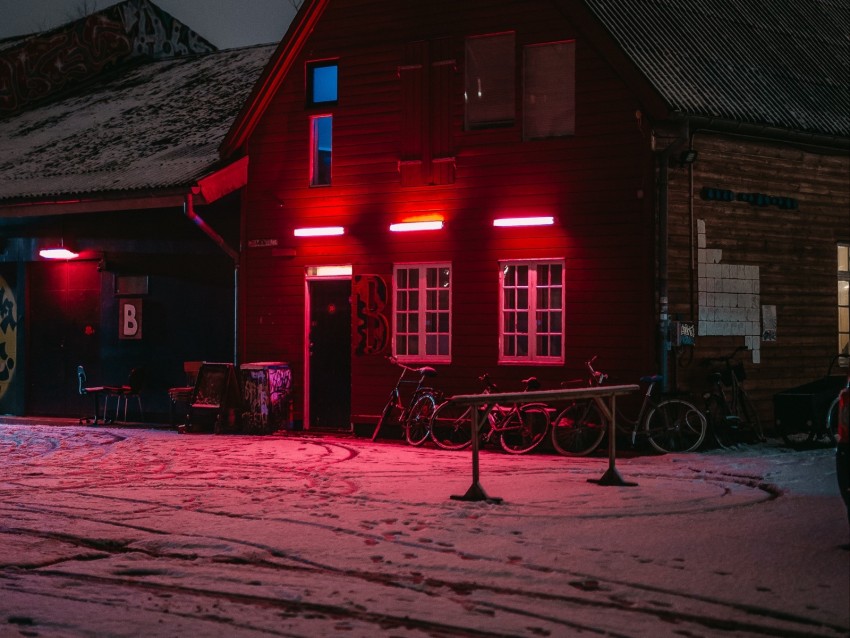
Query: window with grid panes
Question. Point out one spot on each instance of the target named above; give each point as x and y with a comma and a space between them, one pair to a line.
422, 313
532, 312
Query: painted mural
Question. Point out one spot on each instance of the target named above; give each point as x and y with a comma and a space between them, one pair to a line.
50, 62
8, 335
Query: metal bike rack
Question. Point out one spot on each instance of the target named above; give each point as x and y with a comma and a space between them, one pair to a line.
487, 401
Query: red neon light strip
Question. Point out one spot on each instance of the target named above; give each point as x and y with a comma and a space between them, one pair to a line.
408, 226
524, 221
57, 253
319, 231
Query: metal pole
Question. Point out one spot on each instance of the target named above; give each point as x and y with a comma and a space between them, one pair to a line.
612, 476
475, 491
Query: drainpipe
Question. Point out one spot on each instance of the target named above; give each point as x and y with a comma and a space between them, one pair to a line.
663, 302
664, 342
209, 231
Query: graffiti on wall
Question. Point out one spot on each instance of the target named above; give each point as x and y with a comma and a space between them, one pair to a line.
371, 329
50, 62
8, 335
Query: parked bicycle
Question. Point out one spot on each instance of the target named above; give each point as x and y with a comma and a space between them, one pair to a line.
669, 424
520, 427
732, 417
414, 415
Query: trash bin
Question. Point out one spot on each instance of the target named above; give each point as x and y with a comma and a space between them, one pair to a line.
267, 396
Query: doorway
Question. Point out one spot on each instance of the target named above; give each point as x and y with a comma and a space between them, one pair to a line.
329, 353
63, 332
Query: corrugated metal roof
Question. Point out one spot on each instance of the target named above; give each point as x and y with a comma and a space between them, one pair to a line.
780, 63
155, 126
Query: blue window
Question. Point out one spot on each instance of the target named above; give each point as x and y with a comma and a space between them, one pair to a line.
322, 82
321, 147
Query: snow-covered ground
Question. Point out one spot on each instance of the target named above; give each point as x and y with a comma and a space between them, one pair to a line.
142, 532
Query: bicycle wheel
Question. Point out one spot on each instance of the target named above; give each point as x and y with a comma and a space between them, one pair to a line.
724, 427
418, 425
525, 428
751, 430
578, 429
451, 426
675, 425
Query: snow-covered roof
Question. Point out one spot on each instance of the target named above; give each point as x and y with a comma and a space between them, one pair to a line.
155, 125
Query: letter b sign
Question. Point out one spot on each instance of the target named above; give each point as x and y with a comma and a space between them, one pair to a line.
130, 319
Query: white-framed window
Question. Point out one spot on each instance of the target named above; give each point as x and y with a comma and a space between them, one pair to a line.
422, 316
321, 149
549, 96
531, 311
489, 81
844, 298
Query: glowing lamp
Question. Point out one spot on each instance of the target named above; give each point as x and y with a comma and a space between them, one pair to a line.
402, 227
524, 221
57, 253
319, 231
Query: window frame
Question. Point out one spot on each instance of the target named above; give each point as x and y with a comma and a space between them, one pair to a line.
532, 356
421, 312
310, 82
570, 93
315, 163
503, 123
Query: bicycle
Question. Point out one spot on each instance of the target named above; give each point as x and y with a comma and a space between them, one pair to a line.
520, 427
415, 416
731, 414
669, 424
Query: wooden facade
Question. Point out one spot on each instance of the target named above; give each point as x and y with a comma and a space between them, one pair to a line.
788, 247
623, 208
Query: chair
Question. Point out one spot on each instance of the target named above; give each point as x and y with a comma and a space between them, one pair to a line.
95, 391
133, 389
183, 394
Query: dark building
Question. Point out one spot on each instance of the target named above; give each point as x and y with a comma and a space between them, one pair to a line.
109, 135
688, 163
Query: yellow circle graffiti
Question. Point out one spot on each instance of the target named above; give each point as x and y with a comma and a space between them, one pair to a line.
8, 335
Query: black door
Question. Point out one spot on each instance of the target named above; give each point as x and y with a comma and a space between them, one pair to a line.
64, 332
330, 353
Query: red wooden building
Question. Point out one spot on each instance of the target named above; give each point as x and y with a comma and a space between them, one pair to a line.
502, 186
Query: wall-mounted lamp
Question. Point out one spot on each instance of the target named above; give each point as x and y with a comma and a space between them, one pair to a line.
319, 231
402, 227
57, 253
524, 221
688, 156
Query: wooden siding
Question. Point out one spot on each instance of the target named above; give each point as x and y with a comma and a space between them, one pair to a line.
596, 183
794, 250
